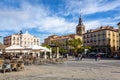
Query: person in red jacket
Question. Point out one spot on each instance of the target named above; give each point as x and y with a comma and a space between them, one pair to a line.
99, 56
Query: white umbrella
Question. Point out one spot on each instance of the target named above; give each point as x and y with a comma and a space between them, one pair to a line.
14, 47
35, 47
45, 49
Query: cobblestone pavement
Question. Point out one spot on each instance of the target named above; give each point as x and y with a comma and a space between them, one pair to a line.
87, 69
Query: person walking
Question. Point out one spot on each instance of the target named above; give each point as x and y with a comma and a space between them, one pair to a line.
99, 56
96, 57
78, 57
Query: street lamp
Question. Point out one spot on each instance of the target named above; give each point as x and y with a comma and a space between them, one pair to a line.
0, 43
20, 39
0, 37
20, 36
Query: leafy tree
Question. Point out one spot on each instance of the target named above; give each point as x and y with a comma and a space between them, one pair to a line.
62, 51
75, 44
89, 48
45, 45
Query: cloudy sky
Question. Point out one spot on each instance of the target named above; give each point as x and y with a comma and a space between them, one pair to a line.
45, 17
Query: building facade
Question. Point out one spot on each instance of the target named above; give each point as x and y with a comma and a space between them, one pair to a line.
103, 39
64, 38
61, 39
23, 40
119, 33
119, 39
80, 30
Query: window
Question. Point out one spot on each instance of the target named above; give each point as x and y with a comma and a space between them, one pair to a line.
34, 40
17, 38
99, 33
13, 38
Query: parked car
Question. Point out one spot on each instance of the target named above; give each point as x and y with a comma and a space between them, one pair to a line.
102, 54
92, 54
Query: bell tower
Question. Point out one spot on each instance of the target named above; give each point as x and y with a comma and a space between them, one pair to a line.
80, 28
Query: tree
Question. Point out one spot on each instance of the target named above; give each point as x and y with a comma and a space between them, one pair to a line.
89, 48
75, 44
45, 45
62, 51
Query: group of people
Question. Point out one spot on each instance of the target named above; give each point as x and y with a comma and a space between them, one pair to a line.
80, 56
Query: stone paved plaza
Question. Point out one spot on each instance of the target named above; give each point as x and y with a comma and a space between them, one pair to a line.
87, 69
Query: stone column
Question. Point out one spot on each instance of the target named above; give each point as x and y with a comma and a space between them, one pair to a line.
33, 53
50, 53
45, 56
57, 52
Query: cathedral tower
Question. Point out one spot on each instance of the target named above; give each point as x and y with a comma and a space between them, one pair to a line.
80, 28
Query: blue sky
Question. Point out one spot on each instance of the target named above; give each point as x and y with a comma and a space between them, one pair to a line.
46, 17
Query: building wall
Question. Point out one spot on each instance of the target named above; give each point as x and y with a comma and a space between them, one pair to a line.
15, 39
103, 36
21, 40
7, 40
61, 39
119, 38
119, 33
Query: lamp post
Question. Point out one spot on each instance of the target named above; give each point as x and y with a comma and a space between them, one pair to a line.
20, 39
0, 38
0, 43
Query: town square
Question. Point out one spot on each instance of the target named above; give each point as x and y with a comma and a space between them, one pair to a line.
59, 40
88, 69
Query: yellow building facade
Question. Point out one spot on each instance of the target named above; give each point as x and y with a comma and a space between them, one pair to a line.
80, 29
61, 39
119, 38
104, 39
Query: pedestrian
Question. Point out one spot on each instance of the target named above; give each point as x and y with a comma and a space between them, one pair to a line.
81, 56
96, 57
99, 56
78, 57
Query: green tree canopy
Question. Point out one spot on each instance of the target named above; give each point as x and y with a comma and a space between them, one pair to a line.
75, 44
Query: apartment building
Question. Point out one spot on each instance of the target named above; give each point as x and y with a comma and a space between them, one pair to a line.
119, 33
119, 39
104, 39
23, 40
61, 39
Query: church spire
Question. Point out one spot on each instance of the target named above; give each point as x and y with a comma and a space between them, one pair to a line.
80, 28
80, 20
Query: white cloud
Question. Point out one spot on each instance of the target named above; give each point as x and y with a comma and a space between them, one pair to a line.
29, 16
91, 6
37, 16
57, 25
117, 18
93, 24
